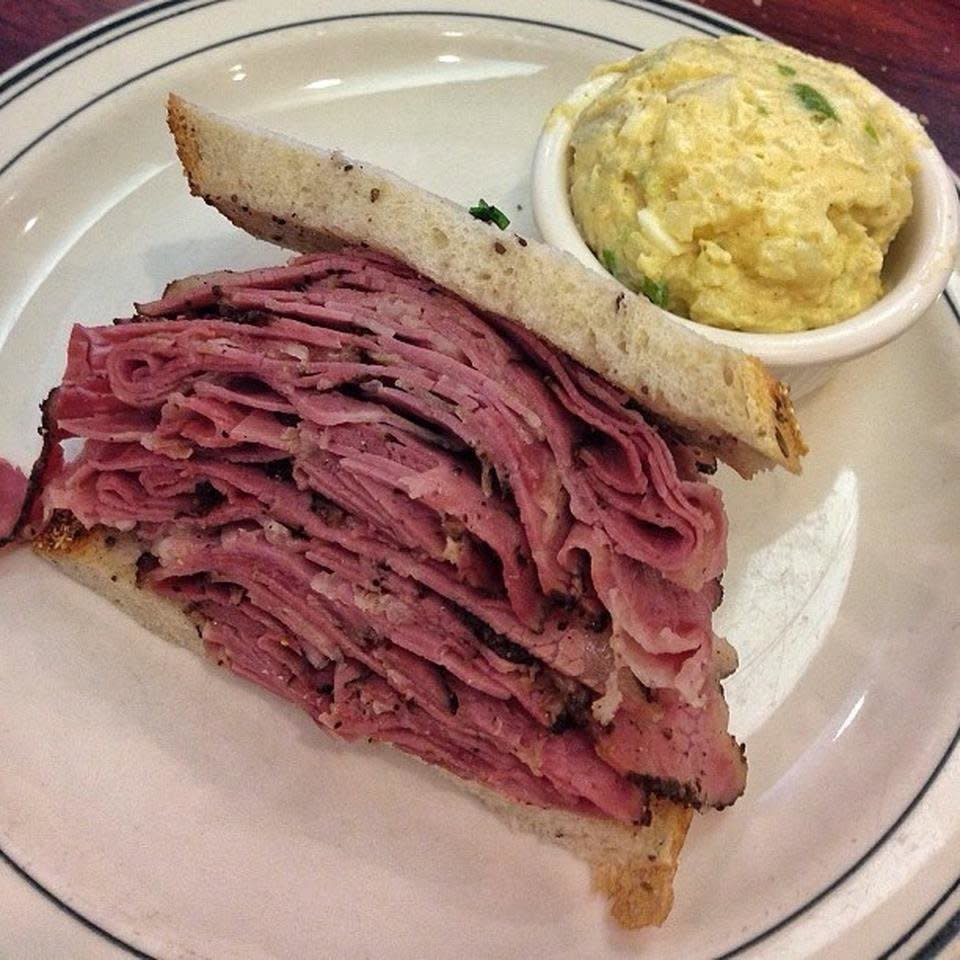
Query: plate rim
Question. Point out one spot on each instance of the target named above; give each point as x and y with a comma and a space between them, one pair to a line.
24, 76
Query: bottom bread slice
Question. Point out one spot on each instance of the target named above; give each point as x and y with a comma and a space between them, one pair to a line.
632, 866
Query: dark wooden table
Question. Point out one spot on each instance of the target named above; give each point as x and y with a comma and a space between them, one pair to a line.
910, 50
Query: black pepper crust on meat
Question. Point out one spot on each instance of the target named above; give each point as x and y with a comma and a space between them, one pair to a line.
685, 794
504, 648
250, 318
573, 699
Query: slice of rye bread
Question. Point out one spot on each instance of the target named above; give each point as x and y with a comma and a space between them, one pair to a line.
306, 198
633, 867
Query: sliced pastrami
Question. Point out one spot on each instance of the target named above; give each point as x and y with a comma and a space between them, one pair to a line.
420, 523
13, 495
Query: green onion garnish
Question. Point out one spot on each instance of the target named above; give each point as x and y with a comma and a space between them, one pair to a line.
609, 259
655, 292
871, 131
490, 214
786, 71
815, 102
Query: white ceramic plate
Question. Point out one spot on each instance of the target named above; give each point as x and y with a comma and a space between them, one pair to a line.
183, 814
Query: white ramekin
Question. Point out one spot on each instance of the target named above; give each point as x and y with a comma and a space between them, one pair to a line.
915, 272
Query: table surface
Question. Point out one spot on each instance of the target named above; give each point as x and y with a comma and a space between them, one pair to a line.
910, 51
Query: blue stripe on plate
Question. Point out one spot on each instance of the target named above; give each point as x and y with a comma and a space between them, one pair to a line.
922, 922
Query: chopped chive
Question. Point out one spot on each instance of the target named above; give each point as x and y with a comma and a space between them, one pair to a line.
762, 110
655, 292
815, 102
490, 214
871, 131
786, 71
609, 259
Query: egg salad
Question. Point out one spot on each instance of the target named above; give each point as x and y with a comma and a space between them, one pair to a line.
742, 183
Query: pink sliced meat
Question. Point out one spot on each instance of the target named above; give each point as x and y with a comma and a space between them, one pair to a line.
676, 526
421, 524
13, 495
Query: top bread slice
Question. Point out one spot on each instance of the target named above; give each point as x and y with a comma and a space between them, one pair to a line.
306, 198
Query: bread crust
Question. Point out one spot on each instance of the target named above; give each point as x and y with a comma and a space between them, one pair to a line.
632, 867
306, 198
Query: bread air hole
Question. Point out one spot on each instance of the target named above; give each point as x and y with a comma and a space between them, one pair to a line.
728, 374
440, 239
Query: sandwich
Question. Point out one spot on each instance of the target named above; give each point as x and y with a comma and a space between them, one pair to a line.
431, 481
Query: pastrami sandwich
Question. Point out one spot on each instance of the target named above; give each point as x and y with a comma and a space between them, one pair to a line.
436, 484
